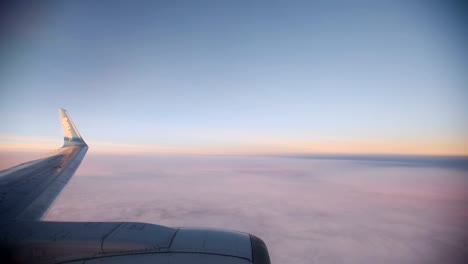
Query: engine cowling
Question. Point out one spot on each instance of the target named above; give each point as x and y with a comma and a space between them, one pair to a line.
126, 242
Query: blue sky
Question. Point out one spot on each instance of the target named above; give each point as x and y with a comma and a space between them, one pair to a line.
240, 75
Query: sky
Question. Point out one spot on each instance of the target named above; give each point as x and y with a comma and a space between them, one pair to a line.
237, 77
261, 85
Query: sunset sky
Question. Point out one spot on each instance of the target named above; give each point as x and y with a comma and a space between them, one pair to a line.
237, 77
281, 95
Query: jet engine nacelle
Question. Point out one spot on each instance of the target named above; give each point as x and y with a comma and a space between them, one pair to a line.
114, 242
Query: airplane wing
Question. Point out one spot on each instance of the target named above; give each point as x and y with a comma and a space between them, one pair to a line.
28, 190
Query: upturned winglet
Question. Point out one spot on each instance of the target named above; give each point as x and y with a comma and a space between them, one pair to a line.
71, 135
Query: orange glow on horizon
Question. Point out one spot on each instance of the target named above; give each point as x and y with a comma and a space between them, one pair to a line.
256, 147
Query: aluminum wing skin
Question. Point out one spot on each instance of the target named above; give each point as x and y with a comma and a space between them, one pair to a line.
28, 190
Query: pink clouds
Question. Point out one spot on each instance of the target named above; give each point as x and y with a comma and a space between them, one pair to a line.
306, 210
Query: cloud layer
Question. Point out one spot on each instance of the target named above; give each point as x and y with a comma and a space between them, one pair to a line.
306, 210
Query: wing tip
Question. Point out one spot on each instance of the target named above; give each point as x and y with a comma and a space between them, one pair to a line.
71, 135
